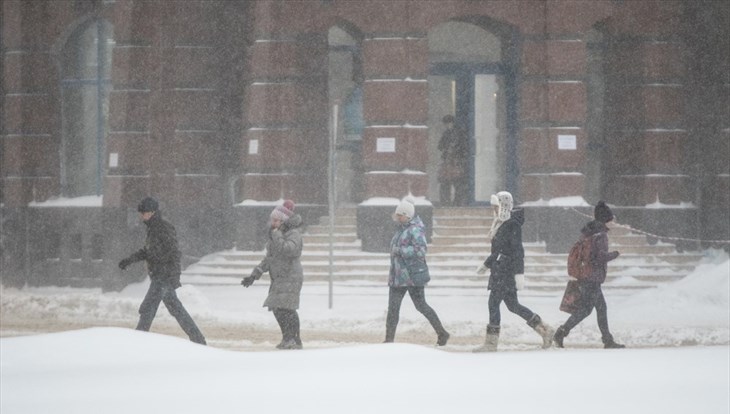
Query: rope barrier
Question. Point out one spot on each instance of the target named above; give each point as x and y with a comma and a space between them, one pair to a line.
646, 233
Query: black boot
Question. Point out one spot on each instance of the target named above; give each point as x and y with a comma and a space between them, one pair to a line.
443, 338
560, 334
609, 343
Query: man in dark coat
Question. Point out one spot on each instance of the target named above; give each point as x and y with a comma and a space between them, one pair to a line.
454, 147
506, 262
591, 295
162, 255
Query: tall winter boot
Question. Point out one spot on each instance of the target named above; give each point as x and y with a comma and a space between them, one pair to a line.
490, 343
544, 330
609, 343
560, 334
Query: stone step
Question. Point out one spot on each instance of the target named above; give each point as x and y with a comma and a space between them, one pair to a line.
458, 246
465, 267
445, 221
339, 220
456, 231
339, 229
325, 238
463, 212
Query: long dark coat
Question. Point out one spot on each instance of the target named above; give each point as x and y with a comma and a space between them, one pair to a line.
508, 256
160, 251
282, 261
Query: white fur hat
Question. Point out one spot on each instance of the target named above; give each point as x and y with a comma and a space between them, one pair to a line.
505, 205
405, 208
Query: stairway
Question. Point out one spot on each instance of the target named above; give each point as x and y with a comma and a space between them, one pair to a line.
458, 246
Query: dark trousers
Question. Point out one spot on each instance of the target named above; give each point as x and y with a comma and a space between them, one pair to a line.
418, 296
591, 296
509, 297
461, 189
288, 320
163, 292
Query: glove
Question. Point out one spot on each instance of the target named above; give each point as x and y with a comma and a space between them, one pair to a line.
520, 281
125, 262
481, 269
395, 250
255, 274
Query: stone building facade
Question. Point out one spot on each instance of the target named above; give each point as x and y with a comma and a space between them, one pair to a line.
222, 108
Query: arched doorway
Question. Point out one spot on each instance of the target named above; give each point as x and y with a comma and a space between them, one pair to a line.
472, 78
85, 63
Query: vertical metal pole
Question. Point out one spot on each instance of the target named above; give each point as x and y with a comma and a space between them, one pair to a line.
100, 57
332, 194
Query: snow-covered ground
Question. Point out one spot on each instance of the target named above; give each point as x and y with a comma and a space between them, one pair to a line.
678, 338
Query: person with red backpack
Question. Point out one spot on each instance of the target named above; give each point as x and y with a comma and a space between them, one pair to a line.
590, 277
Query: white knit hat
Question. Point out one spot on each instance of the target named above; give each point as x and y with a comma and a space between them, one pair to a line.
405, 208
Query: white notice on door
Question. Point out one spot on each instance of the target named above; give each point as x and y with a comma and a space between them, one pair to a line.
567, 142
385, 145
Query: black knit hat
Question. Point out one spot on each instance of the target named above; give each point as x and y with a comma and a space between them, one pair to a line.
602, 212
148, 204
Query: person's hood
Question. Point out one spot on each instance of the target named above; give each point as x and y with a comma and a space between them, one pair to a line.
518, 215
294, 221
593, 227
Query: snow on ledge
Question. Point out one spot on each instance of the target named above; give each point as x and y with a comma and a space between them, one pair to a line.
658, 204
575, 201
85, 201
392, 201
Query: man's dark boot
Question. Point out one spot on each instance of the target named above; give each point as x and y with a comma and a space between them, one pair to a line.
560, 334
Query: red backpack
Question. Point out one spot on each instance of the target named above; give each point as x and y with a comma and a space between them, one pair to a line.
579, 258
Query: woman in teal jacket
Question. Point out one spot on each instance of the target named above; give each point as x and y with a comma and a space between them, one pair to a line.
409, 271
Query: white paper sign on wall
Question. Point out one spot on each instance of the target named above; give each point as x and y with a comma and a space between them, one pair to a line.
385, 145
253, 146
113, 160
567, 142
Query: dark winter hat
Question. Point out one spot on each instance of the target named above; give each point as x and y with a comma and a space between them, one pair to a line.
148, 204
284, 211
448, 119
602, 212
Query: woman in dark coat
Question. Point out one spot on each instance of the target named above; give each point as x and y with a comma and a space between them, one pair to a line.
409, 272
506, 262
283, 251
591, 295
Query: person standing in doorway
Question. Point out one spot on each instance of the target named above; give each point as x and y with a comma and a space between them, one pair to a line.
162, 255
454, 147
282, 261
409, 271
507, 265
591, 295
